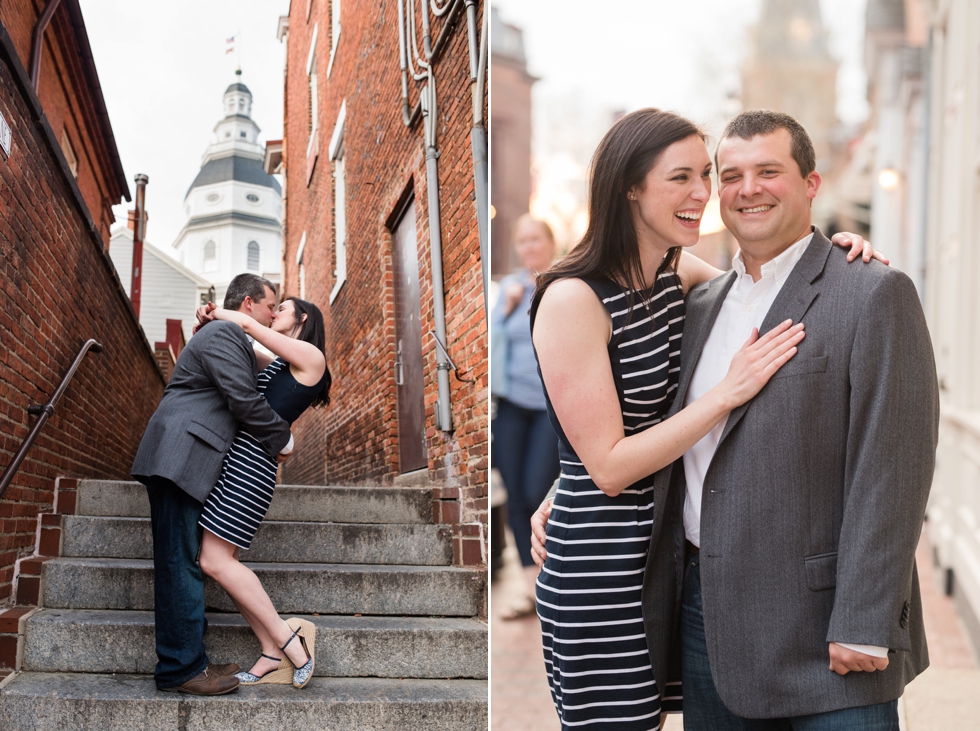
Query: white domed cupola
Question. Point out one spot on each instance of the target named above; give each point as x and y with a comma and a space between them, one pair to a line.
234, 208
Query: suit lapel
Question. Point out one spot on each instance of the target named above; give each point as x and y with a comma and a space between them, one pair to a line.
792, 303
702, 308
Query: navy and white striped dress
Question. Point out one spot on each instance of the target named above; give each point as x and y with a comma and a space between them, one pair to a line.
241, 497
588, 594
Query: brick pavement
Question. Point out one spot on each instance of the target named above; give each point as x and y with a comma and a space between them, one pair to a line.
944, 698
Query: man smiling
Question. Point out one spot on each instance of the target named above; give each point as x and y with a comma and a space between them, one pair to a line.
802, 510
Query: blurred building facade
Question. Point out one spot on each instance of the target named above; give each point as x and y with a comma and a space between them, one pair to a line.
789, 69
921, 169
510, 134
952, 295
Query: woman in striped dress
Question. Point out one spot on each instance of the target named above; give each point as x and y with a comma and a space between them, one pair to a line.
293, 381
607, 323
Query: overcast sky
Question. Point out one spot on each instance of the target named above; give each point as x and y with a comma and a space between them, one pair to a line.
164, 68
629, 54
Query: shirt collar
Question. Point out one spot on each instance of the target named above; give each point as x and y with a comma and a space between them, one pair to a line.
779, 267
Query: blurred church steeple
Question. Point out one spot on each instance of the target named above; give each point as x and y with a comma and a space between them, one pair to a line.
789, 69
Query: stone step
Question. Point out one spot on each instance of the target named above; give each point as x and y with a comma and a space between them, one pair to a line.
329, 504
299, 588
55, 701
86, 536
117, 641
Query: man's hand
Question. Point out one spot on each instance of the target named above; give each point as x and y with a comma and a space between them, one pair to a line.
844, 661
538, 522
203, 315
280, 458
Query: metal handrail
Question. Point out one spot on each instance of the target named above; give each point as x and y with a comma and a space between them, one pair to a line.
44, 413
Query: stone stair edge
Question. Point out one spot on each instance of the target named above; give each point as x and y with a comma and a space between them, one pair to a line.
44, 701
146, 563
394, 488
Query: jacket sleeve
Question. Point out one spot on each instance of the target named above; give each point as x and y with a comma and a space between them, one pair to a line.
229, 365
891, 452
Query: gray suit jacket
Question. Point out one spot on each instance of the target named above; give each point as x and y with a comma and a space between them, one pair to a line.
814, 500
211, 395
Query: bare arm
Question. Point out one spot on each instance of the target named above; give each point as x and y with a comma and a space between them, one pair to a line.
305, 360
571, 332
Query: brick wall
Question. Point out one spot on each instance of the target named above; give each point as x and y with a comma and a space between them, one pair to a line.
69, 101
355, 439
59, 288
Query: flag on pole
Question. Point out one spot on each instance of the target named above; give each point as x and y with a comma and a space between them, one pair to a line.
231, 44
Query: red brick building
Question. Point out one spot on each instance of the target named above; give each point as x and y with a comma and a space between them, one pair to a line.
358, 241
511, 124
54, 50
59, 285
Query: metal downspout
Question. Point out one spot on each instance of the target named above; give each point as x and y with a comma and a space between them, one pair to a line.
42, 25
444, 411
478, 140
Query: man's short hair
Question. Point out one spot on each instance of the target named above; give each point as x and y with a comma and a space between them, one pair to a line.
765, 121
246, 285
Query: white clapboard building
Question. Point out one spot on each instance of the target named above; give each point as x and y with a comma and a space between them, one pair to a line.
170, 291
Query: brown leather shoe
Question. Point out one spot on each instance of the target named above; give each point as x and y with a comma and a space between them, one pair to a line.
227, 669
207, 683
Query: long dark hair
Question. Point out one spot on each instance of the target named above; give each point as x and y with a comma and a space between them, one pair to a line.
610, 248
311, 331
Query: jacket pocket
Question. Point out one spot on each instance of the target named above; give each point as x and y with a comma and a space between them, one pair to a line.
800, 366
207, 436
821, 571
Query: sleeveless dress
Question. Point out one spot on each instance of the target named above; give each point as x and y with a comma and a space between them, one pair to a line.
588, 593
240, 499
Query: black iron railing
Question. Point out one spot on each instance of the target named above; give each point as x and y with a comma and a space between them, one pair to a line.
44, 413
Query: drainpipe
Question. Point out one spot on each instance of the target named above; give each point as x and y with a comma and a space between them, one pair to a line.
409, 118
444, 411
42, 25
139, 231
478, 137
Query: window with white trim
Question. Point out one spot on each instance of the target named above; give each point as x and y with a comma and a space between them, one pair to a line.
210, 257
300, 262
314, 101
339, 203
253, 256
69, 153
334, 32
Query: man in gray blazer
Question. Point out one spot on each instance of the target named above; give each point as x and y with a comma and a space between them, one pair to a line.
211, 395
784, 553
803, 509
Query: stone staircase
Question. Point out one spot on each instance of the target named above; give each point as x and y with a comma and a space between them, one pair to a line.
398, 646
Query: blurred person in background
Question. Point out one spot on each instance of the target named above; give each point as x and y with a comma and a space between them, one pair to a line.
525, 446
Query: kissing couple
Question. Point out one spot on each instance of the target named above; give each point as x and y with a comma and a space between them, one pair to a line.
209, 458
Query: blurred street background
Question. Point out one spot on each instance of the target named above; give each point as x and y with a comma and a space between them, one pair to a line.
890, 93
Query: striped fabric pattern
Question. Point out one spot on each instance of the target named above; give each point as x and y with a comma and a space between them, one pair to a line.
241, 497
589, 592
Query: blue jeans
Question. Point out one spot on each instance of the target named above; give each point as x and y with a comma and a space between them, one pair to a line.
178, 583
525, 451
703, 709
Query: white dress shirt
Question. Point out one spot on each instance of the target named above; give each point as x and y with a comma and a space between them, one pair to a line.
744, 308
